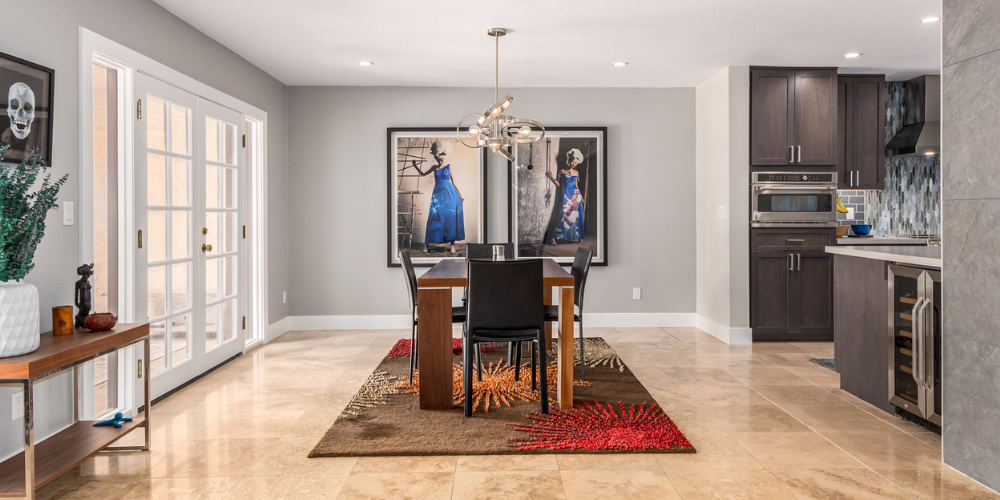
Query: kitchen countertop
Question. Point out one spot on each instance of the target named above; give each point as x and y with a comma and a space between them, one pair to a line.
928, 256
882, 241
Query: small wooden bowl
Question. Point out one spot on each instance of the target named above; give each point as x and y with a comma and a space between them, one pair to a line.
842, 230
99, 322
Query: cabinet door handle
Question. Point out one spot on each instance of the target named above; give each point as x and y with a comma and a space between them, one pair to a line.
791, 262
799, 266
799, 148
791, 153
795, 240
857, 178
852, 179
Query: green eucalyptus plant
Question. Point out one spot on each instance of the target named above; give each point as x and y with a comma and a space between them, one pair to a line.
22, 212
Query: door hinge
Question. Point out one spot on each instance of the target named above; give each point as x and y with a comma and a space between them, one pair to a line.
139, 369
244, 231
244, 322
138, 109
244, 140
140, 238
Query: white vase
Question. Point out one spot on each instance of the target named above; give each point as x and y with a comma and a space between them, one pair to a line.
20, 329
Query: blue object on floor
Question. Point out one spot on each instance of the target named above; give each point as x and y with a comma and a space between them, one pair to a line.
861, 229
116, 421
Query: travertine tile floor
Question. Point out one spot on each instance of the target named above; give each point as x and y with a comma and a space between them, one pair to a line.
767, 424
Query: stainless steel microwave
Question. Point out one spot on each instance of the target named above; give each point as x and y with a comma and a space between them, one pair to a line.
807, 199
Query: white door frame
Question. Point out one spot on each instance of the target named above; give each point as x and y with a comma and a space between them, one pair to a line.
94, 47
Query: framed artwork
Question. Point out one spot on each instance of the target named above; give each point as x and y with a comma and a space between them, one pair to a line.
26, 90
558, 195
436, 195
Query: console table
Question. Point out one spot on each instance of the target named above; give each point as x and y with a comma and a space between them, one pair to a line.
41, 463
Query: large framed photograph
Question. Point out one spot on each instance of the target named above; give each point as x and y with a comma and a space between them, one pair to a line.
558, 195
26, 90
436, 195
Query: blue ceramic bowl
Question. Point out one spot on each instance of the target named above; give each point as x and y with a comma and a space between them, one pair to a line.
861, 229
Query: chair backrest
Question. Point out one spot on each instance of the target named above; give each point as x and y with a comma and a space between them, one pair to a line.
485, 251
505, 296
411, 278
580, 270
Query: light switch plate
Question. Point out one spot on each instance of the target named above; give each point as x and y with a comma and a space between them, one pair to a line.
67, 207
17, 405
636, 293
284, 297
721, 212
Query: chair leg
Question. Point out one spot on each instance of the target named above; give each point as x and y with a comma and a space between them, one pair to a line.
510, 354
544, 379
583, 360
517, 363
413, 351
479, 362
467, 376
534, 380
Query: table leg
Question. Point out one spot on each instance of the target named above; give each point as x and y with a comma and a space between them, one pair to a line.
566, 348
146, 375
435, 358
547, 300
29, 441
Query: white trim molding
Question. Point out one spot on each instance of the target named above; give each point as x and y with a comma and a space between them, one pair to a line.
729, 335
277, 329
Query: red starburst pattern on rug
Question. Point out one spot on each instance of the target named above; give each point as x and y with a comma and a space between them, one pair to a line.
600, 427
402, 348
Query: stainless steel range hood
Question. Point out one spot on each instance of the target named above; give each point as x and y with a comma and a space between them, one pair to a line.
921, 132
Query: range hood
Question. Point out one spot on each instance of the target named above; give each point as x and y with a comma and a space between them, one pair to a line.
921, 132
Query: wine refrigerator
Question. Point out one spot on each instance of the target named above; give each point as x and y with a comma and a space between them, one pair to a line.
915, 341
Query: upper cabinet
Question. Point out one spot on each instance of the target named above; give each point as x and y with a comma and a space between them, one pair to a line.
793, 117
861, 131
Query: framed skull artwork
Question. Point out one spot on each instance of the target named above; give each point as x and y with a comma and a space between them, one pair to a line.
26, 90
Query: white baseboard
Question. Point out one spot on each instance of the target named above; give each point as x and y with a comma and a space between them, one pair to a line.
402, 321
277, 329
732, 336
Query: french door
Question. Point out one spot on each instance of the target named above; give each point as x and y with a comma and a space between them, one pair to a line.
189, 246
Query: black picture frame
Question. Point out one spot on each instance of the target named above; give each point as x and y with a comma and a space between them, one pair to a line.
598, 211
393, 160
41, 81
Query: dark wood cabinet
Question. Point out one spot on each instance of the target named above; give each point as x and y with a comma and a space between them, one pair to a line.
793, 116
791, 284
861, 338
861, 127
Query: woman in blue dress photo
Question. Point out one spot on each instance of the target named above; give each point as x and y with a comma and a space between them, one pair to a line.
566, 221
445, 217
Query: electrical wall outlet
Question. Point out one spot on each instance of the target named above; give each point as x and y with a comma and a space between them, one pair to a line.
636, 293
17, 405
67, 207
284, 297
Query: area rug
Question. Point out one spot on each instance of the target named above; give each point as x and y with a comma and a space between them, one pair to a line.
827, 363
612, 413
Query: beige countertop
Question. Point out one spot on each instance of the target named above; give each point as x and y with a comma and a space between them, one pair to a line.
927, 256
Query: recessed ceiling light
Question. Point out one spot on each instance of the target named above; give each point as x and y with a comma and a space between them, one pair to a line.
366, 63
619, 64
932, 19
852, 55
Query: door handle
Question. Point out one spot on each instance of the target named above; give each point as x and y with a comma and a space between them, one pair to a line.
799, 148
852, 178
791, 262
799, 267
929, 386
206, 248
795, 240
918, 346
791, 152
857, 178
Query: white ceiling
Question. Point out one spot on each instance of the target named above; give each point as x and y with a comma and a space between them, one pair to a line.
564, 43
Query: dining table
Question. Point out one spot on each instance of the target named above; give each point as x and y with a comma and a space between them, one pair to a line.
434, 326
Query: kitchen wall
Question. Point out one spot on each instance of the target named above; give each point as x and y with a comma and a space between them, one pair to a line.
723, 204
147, 28
337, 154
971, 193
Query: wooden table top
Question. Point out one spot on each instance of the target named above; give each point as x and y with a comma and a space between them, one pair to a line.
57, 351
451, 272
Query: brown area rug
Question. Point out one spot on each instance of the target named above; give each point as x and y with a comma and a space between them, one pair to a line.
612, 413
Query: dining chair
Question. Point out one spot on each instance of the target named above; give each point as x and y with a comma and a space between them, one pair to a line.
457, 313
485, 251
505, 305
580, 270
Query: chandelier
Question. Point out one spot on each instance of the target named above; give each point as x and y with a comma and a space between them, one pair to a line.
493, 129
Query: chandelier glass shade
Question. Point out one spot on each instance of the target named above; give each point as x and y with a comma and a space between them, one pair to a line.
493, 129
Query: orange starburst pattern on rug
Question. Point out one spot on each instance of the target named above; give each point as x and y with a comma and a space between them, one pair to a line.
498, 386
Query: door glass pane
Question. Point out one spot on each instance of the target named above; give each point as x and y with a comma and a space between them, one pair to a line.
229, 275
211, 327
179, 332
179, 182
157, 346
157, 291
181, 291
212, 234
229, 188
179, 120
157, 238
156, 179
212, 139
212, 280
179, 234
211, 186
156, 123
229, 231
228, 320
230, 144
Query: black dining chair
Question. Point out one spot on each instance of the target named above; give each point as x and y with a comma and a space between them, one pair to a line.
580, 270
485, 251
505, 305
457, 313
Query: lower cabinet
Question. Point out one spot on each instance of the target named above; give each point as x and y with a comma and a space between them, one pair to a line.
791, 296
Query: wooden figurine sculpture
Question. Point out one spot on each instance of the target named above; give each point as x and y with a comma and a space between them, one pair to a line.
83, 299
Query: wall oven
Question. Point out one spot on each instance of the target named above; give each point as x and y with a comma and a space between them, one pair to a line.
794, 199
915, 347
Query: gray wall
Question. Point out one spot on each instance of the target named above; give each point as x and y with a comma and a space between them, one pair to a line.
149, 29
971, 193
337, 158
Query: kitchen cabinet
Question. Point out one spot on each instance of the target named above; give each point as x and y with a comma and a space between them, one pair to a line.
791, 284
793, 116
861, 131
